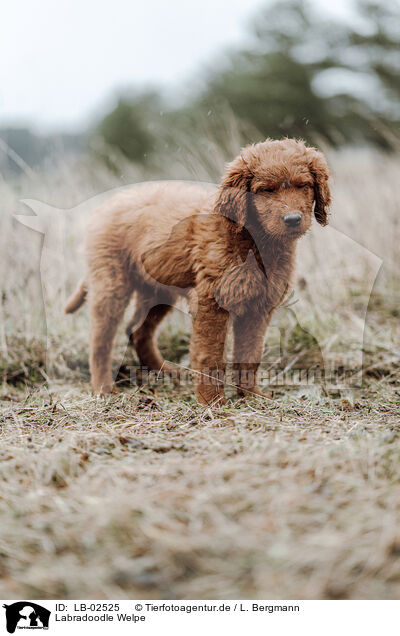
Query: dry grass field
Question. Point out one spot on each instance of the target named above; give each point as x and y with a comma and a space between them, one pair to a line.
148, 495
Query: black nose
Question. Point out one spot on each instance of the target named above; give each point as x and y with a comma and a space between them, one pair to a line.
292, 219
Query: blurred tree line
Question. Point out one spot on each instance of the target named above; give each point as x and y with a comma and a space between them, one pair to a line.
303, 74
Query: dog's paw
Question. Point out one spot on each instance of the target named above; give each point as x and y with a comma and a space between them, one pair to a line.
209, 396
254, 391
105, 389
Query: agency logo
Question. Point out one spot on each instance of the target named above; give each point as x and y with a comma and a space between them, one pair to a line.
26, 615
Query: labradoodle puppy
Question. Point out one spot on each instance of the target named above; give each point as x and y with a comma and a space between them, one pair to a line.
230, 252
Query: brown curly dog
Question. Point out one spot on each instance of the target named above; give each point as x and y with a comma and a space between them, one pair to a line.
231, 252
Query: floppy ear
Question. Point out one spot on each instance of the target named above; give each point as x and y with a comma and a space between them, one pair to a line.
322, 195
233, 197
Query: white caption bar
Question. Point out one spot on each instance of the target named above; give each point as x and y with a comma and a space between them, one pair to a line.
177, 617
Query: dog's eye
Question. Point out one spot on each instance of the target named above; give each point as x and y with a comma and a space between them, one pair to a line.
304, 186
268, 190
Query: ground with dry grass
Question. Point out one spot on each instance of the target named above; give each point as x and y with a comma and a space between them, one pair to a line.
146, 494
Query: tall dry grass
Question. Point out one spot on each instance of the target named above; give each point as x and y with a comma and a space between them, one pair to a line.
338, 267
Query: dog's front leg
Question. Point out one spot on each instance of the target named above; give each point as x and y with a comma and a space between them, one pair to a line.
249, 335
207, 351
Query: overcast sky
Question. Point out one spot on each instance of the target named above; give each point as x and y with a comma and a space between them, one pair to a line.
63, 60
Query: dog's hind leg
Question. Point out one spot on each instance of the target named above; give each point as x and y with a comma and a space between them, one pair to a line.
142, 328
108, 297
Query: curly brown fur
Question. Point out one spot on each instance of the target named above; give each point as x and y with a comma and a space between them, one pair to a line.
231, 253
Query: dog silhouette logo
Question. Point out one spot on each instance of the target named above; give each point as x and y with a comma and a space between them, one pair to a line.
26, 615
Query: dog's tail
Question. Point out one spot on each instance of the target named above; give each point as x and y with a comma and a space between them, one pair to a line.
77, 299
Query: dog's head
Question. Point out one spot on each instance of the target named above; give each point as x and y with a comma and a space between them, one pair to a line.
275, 186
